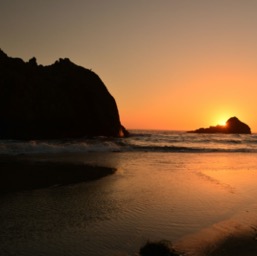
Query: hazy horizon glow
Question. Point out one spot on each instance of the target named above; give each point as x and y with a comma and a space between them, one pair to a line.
170, 64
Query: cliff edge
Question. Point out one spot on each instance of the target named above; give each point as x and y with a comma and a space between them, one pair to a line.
62, 100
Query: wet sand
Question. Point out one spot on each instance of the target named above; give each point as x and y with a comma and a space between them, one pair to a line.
18, 173
204, 204
236, 236
244, 244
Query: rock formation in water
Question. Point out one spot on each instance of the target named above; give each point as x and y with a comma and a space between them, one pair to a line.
233, 125
62, 100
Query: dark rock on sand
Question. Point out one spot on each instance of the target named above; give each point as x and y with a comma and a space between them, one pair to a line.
233, 125
62, 100
161, 248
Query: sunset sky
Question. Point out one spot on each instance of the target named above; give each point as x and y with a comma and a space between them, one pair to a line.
170, 64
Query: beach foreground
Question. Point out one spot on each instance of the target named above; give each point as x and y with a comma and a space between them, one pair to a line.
237, 245
204, 204
236, 236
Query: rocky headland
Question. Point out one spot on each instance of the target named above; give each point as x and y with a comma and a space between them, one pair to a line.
233, 125
62, 100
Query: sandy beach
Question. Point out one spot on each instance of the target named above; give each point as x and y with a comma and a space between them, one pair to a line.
204, 204
236, 236
237, 245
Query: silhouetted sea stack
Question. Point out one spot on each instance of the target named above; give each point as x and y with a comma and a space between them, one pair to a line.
62, 100
233, 125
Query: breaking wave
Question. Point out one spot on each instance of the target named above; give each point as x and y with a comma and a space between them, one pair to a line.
141, 141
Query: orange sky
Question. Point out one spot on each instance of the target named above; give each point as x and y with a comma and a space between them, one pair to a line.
170, 64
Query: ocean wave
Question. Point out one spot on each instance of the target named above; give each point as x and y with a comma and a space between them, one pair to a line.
17, 148
177, 149
146, 141
41, 147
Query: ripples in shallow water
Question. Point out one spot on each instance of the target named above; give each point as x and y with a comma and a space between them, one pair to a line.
152, 196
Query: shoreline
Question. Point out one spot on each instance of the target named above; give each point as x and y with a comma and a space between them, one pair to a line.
236, 236
233, 230
19, 173
238, 244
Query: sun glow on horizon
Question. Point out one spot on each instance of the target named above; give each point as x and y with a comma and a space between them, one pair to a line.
222, 120
222, 123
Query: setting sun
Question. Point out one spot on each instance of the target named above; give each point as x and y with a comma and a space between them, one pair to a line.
221, 119
222, 122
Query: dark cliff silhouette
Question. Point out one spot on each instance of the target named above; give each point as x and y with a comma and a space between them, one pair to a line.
62, 100
233, 125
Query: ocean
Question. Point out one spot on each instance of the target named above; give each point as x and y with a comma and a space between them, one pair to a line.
139, 141
193, 190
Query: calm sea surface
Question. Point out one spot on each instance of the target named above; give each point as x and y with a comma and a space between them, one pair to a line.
168, 185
